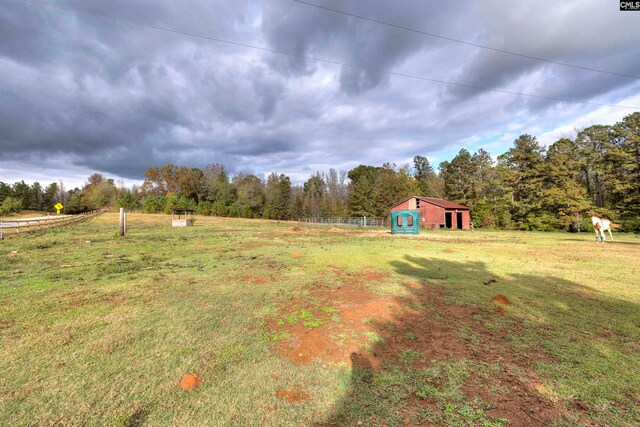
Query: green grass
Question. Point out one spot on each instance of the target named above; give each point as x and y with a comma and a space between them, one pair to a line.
98, 330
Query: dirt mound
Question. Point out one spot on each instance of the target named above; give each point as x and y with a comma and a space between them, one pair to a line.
296, 255
292, 396
501, 299
296, 229
500, 309
190, 381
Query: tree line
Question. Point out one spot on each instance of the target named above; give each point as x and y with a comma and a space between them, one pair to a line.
529, 187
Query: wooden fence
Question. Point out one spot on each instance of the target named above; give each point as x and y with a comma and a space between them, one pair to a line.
29, 225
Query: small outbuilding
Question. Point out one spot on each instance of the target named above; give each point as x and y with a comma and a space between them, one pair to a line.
181, 218
437, 213
404, 222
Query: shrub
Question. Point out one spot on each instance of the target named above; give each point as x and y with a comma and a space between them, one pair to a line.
154, 204
127, 201
10, 205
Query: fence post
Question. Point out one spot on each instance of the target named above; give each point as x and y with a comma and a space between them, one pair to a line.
122, 222
1, 228
364, 221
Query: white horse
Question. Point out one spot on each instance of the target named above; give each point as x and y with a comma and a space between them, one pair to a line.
600, 225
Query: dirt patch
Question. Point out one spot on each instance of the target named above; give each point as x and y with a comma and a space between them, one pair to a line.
304, 346
336, 230
501, 299
296, 255
341, 322
359, 328
6, 324
115, 299
292, 396
256, 280
373, 276
253, 245
190, 381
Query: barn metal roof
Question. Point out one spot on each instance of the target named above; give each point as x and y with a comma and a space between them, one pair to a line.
441, 202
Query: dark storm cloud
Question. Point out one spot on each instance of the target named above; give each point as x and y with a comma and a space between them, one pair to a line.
94, 94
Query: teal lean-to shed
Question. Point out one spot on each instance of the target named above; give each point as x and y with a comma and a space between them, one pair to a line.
405, 222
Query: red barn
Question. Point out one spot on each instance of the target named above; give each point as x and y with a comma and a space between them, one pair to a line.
438, 213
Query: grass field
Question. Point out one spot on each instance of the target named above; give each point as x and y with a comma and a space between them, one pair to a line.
289, 325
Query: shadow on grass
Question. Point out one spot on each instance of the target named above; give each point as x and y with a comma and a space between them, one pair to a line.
550, 352
607, 242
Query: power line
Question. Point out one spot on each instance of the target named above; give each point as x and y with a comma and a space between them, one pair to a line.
311, 58
425, 33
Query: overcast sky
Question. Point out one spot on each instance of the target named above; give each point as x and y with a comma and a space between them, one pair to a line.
80, 93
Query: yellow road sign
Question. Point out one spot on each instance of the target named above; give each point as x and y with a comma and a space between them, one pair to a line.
58, 206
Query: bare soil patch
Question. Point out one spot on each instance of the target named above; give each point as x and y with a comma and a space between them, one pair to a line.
256, 280
501, 299
190, 381
296, 255
292, 396
367, 329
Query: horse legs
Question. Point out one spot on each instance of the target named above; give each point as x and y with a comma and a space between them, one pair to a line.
610, 235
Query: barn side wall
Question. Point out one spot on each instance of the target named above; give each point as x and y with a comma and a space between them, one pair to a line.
466, 220
431, 215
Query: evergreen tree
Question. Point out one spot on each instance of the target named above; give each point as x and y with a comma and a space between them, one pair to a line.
565, 199
524, 174
49, 197
278, 197
37, 196
593, 146
627, 185
425, 176
5, 191
361, 190
22, 191
458, 178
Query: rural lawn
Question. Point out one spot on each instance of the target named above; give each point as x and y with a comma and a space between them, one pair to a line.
283, 324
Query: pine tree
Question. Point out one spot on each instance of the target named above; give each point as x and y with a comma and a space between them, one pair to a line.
524, 165
627, 186
593, 148
361, 190
458, 178
565, 198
